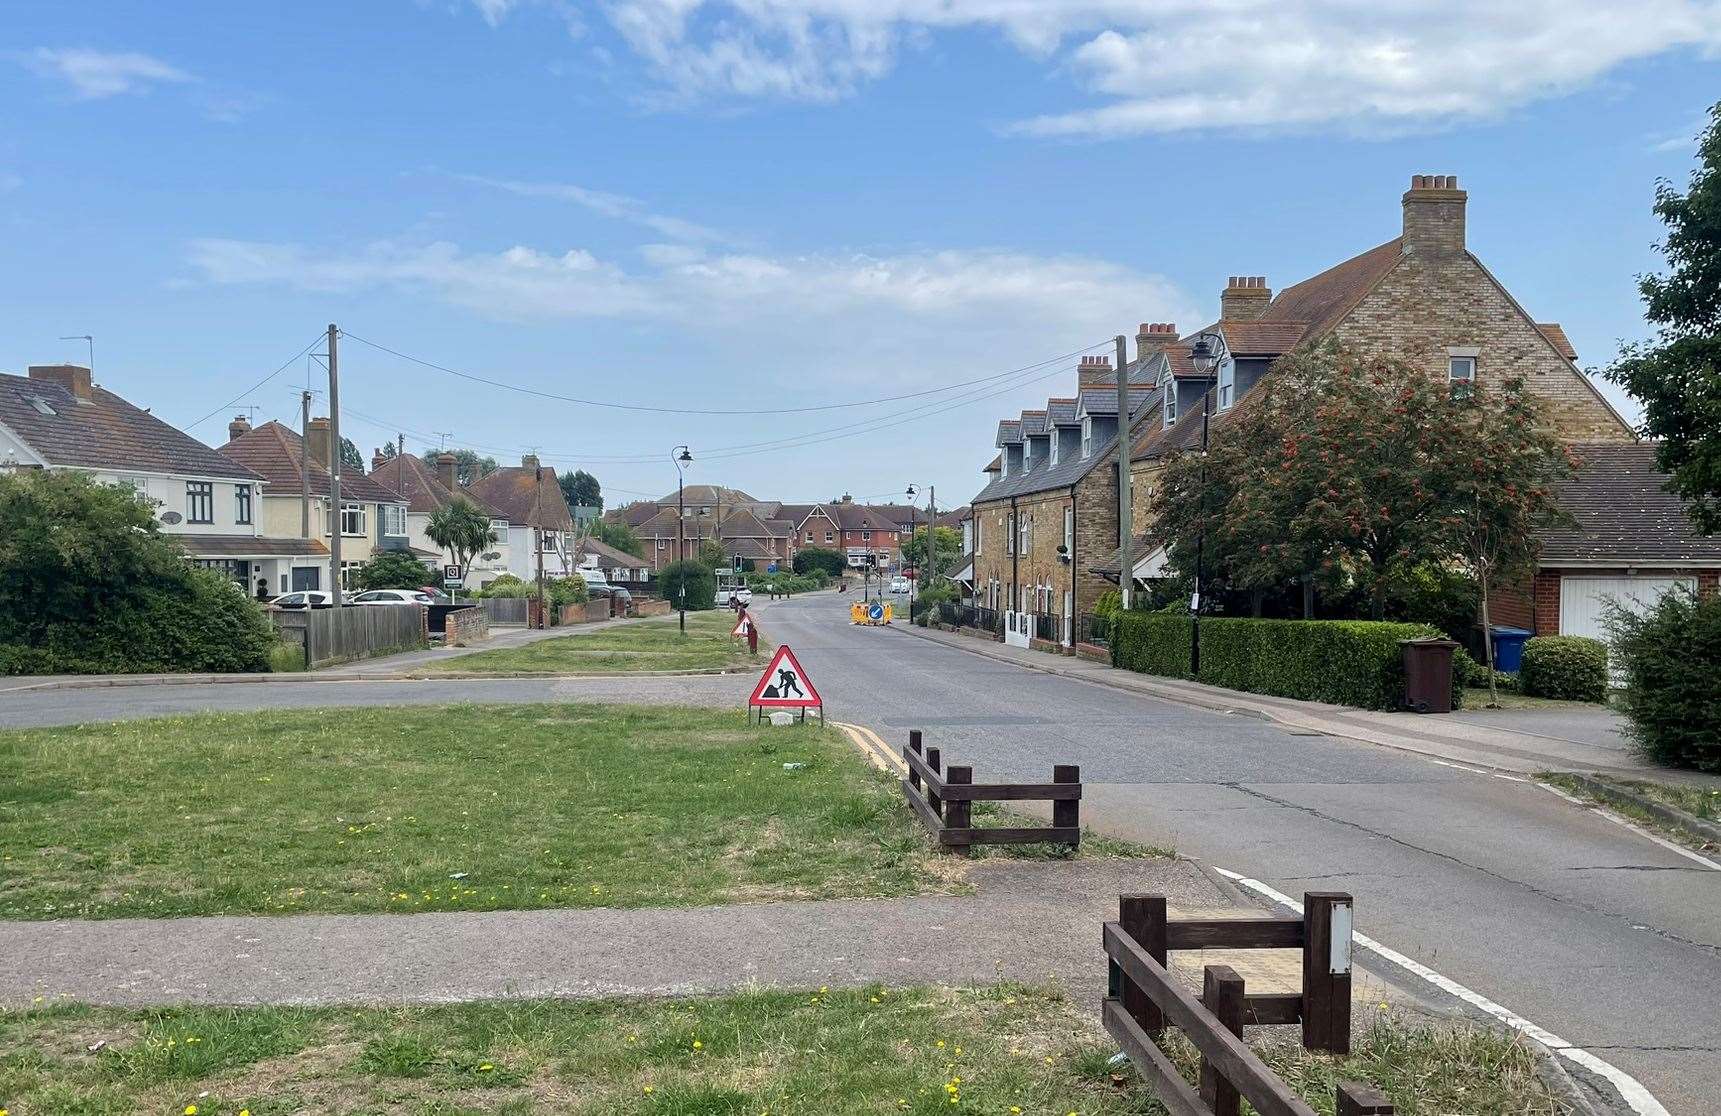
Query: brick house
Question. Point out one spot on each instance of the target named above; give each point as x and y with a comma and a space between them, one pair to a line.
1424, 297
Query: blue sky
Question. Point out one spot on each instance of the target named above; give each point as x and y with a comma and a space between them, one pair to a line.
762, 205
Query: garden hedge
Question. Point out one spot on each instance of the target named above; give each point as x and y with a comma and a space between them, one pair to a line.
1343, 662
1569, 667
1671, 659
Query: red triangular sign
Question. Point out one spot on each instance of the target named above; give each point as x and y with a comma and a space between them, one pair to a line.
741, 624
785, 685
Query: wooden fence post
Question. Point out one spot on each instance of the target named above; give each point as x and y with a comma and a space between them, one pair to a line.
1067, 812
914, 746
1221, 994
1354, 1099
1327, 971
1142, 917
959, 815
936, 762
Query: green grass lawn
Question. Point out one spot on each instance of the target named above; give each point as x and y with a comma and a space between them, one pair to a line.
656, 644
1476, 697
996, 1050
442, 808
1698, 801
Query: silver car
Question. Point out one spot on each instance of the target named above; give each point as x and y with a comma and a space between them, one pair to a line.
393, 597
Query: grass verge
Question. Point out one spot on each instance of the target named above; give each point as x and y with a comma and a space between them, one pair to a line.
650, 645
1476, 697
995, 1050
442, 808
1700, 802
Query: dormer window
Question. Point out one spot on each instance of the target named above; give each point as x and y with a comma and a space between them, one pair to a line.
1027, 454
1052, 459
1087, 437
1227, 382
1004, 463
1170, 401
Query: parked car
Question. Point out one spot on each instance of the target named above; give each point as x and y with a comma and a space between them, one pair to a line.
394, 597
304, 598
899, 585
740, 594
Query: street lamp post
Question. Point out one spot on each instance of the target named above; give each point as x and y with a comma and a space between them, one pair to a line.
682, 458
1204, 356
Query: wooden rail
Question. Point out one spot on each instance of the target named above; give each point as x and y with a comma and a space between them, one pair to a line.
943, 800
1144, 998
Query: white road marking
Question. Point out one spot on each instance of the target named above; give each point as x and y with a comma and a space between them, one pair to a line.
1630, 1089
1479, 770
1627, 823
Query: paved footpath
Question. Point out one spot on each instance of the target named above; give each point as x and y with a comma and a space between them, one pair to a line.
1029, 921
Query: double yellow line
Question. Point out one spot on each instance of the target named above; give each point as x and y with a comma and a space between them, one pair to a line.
877, 752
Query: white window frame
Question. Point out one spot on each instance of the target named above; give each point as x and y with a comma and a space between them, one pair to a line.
1227, 382
357, 514
1087, 436
1027, 453
1170, 400
1069, 529
1004, 463
1052, 454
1465, 359
393, 520
1025, 534
1010, 536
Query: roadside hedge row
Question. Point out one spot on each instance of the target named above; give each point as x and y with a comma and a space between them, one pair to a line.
1572, 668
1343, 662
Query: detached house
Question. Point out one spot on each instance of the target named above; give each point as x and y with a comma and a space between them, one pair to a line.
1425, 298
56, 418
426, 493
540, 530
371, 518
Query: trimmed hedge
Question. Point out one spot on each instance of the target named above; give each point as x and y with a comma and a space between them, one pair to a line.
701, 585
1152, 642
1342, 662
1573, 668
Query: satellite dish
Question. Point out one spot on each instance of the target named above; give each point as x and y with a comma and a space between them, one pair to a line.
171, 517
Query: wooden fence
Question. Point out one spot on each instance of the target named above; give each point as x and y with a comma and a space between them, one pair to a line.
505, 610
335, 635
944, 800
1143, 998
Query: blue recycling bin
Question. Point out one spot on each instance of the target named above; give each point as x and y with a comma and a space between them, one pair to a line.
1509, 648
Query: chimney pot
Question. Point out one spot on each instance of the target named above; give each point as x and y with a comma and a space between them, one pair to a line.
376, 459
75, 378
529, 461
446, 471
1153, 338
1092, 371
1244, 298
238, 427
1434, 215
317, 443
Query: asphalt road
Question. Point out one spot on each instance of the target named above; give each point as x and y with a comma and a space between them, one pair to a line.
1609, 941
1605, 939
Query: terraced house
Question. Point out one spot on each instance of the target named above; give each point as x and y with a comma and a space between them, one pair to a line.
1424, 297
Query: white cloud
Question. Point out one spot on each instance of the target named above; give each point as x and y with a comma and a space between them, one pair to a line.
775, 301
1174, 65
95, 74
616, 206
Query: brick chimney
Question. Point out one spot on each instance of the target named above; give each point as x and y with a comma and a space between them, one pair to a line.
1245, 298
1153, 337
376, 459
317, 442
529, 461
239, 427
75, 378
1434, 215
446, 471
1094, 371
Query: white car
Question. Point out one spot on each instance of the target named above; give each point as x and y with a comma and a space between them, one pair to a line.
899, 585
741, 594
393, 597
304, 598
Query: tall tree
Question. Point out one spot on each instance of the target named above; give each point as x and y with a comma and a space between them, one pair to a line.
711, 555
351, 459
613, 532
580, 488
462, 530
1677, 376
933, 551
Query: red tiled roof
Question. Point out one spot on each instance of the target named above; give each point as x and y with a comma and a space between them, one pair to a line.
527, 495
273, 452
1321, 300
408, 475
1262, 337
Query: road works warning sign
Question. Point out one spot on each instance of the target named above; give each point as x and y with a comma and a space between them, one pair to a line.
741, 623
785, 685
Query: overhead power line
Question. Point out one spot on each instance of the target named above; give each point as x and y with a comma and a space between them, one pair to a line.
230, 404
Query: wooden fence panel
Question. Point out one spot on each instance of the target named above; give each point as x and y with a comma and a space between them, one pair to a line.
505, 610
334, 635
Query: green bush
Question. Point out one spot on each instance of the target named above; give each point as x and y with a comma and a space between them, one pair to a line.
830, 562
1152, 642
1569, 667
1469, 672
506, 586
394, 569
700, 584
1671, 658
566, 591
286, 657
781, 583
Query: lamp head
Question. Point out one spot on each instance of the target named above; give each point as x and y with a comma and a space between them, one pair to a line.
685, 457
1201, 354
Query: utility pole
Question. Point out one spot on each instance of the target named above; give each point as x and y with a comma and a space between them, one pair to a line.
334, 469
305, 464
1125, 505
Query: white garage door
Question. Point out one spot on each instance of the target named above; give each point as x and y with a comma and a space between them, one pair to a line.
1582, 599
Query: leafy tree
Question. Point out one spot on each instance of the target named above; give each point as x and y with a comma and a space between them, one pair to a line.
581, 488
352, 460
613, 532
459, 528
393, 569
711, 555
821, 558
945, 548
468, 466
1678, 375
389, 453
698, 581
90, 584
1671, 656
